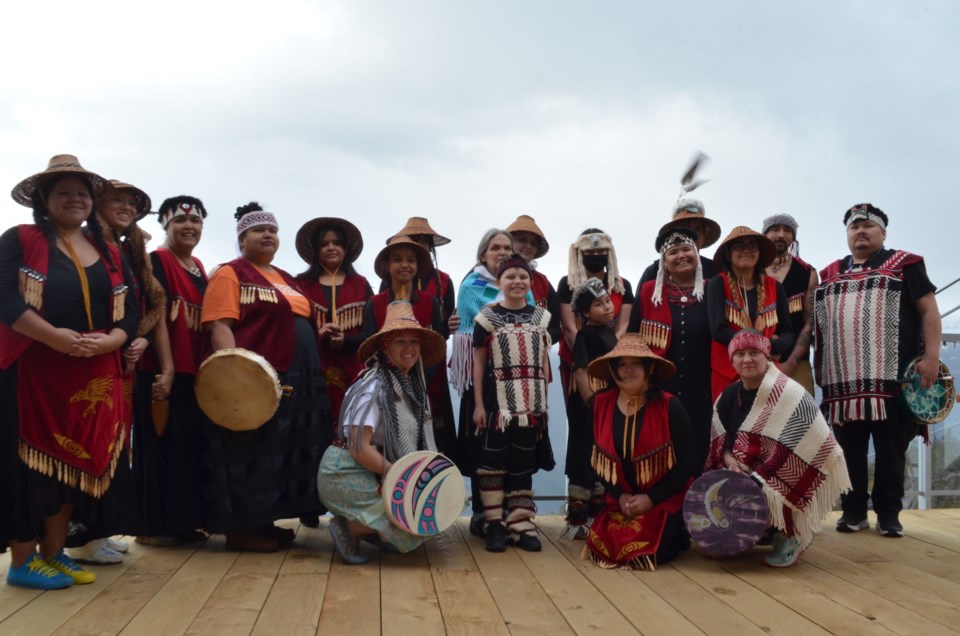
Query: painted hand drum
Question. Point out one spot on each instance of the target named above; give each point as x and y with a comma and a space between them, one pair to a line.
930, 405
238, 389
423, 493
726, 512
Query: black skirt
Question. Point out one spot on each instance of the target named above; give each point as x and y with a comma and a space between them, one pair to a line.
167, 468
256, 477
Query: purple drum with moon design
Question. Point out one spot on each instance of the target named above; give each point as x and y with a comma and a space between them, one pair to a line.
725, 512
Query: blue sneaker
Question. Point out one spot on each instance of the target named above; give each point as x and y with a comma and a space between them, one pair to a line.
786, 551
37, 574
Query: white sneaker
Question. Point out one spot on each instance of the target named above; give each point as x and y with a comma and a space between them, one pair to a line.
96, 552
117, 545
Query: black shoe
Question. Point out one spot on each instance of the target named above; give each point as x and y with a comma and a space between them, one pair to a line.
477, 528
889, 526
496, 537
850, 523
311, 521
529, 542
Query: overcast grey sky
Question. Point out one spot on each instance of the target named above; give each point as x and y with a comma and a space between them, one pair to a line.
470, 113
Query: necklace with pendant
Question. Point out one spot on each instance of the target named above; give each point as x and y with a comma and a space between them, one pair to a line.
778, 263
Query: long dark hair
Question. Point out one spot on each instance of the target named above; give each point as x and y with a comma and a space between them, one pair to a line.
315, 270
41, 217
649, 366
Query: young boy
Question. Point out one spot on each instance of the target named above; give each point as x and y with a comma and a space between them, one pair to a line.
596, 338
510, 374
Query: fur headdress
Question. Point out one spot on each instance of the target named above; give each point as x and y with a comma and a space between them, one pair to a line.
577, 273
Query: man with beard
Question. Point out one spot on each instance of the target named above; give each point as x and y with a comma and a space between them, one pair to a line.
874, 312
799, 280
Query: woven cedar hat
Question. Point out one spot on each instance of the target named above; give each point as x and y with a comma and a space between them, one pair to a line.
768, 251
400, 317
305, 236
419, 226
630, 345
525, 223
58, 166
682, 214
143, 202
424, 264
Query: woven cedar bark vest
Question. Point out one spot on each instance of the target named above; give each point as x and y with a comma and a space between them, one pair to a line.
516, 358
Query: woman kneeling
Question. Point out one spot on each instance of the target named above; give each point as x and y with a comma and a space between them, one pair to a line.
644, 454
385, 415
767, 425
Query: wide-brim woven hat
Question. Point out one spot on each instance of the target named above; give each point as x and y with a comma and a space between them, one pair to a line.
400, 317
419, 226
711, 229
306, 235
768, 251
630, 345
525, 223
58, 166
143, 202
424, 264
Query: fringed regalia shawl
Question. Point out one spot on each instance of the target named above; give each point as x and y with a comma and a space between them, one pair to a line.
738, 318
344, 306
857, 332
786, 440
404, 411
477, 290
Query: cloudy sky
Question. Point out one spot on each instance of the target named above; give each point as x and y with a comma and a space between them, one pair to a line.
470, 113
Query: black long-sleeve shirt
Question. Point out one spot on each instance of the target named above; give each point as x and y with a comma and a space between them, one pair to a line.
62, 294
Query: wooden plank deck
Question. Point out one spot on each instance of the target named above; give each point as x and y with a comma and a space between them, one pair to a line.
844, 584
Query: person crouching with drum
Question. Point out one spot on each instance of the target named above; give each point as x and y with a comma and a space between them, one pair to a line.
767, 425
644, 454
256, 477
510, 372
385, 415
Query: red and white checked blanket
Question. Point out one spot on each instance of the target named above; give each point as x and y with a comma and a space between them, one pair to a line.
786, 440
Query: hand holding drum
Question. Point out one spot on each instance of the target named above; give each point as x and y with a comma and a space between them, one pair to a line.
238, 389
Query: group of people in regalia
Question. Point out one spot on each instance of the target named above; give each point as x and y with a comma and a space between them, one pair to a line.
704, 365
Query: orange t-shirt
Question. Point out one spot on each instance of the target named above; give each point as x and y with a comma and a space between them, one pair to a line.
222, 298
